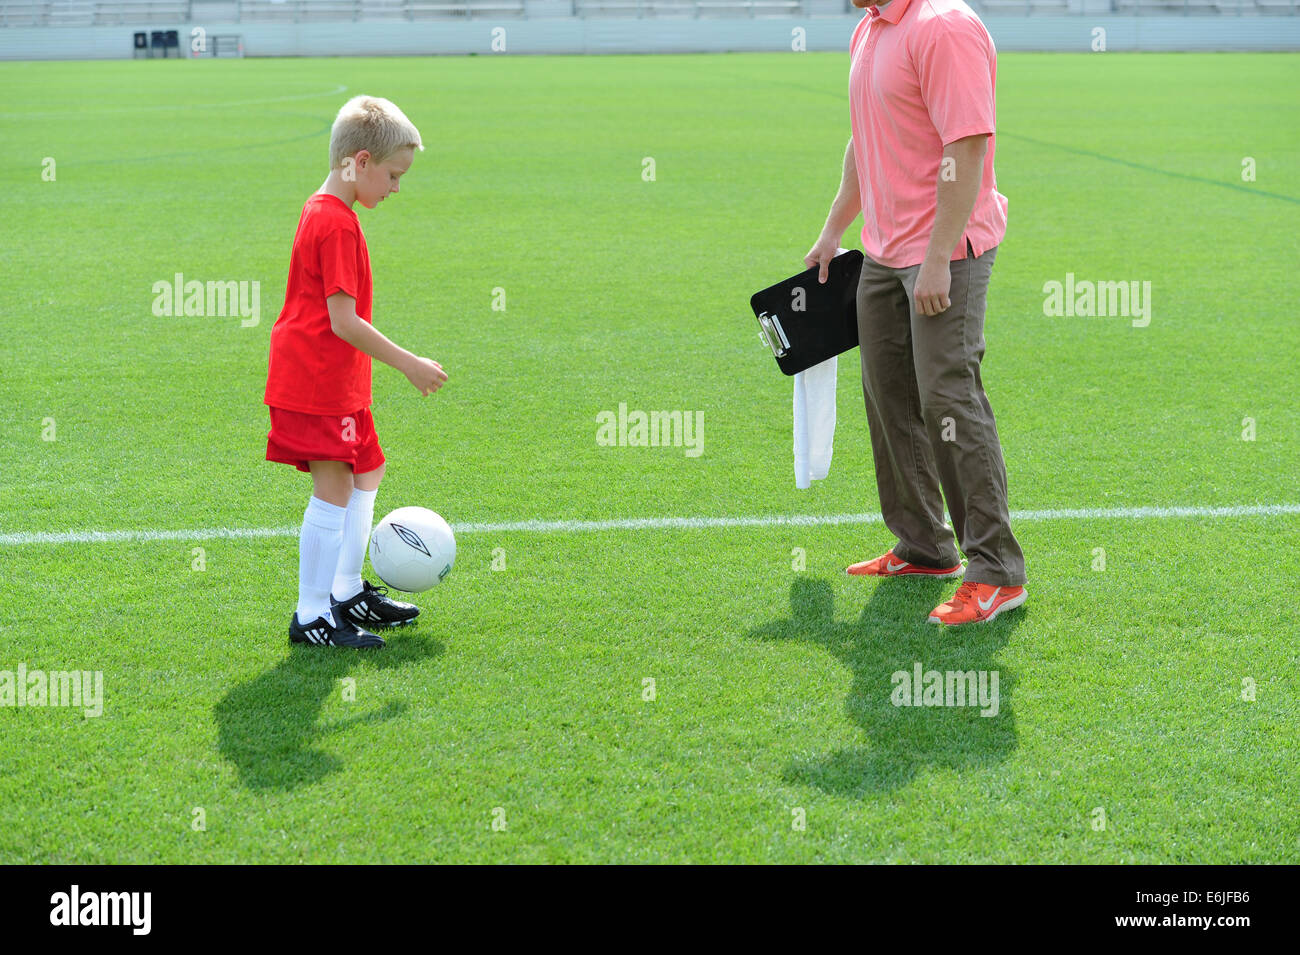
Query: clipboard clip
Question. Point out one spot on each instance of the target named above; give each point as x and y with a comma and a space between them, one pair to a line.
773, 334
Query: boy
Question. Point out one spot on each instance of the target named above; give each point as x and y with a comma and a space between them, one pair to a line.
318, 382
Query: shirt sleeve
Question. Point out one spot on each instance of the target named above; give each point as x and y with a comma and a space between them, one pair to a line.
954, 60
339, 250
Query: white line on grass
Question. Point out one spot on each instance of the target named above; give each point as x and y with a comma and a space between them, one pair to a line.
651, 524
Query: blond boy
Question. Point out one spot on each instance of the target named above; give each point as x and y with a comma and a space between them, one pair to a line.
318, 381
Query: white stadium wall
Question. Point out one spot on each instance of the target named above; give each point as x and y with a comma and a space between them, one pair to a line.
548, 28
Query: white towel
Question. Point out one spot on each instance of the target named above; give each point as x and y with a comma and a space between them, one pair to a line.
814, 422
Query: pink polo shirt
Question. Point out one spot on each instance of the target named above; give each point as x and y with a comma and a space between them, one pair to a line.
922, 76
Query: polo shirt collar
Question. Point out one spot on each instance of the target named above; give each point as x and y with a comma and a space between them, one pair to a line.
894, 12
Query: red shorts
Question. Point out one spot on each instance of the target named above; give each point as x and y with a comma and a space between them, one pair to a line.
297, 438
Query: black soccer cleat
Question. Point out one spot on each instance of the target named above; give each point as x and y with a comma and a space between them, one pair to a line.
372, 607
321, 633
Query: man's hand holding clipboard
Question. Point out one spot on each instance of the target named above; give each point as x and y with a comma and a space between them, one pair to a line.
812, 316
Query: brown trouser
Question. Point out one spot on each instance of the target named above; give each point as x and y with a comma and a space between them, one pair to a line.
931, 423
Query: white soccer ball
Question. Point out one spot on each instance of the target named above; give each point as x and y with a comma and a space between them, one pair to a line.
412, 549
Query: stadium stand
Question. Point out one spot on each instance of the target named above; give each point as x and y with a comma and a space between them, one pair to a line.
83, 13
1023, 7
107, 29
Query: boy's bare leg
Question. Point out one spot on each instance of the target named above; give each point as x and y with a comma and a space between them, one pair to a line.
332, 481
370, 480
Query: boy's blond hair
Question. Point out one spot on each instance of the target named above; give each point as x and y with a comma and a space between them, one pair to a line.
372, 123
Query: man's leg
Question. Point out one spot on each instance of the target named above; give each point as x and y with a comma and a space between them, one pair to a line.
948, 348
906, 475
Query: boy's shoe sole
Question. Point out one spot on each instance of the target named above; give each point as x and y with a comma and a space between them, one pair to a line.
321, 633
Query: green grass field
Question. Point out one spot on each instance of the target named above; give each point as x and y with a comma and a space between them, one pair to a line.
519, 697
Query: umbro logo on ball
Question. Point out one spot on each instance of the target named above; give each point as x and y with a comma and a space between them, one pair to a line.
412, 538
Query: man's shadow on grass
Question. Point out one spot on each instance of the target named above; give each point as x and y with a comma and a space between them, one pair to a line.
891, 635
268, 727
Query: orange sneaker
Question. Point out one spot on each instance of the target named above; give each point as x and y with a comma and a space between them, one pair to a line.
889, 565
978, 603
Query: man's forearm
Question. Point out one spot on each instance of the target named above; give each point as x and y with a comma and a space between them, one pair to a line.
848, 200
958, 187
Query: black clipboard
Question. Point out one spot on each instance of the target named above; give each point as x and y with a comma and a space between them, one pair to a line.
827, 323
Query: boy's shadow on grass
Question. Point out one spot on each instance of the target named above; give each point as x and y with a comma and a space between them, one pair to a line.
268, 726
893, 634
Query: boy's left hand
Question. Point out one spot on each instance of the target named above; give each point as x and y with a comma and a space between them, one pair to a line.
426, 374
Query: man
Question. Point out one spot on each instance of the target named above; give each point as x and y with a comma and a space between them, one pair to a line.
919, 167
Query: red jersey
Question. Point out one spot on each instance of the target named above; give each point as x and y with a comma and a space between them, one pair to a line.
312, 370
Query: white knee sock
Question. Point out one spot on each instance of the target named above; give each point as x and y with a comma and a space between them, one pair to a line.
356, 535
318, 555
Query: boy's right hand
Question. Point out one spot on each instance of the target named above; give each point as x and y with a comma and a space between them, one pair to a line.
426, 374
